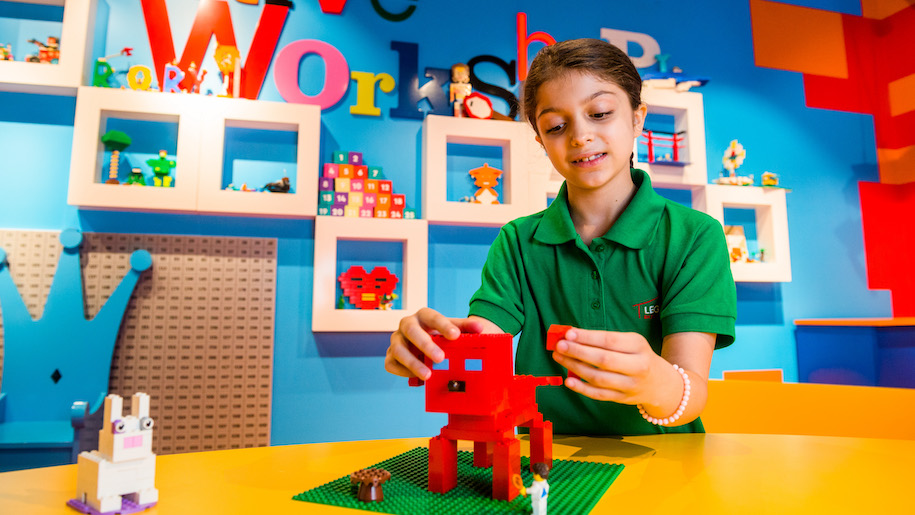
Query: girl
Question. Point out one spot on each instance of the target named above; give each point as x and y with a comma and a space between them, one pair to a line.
644, 282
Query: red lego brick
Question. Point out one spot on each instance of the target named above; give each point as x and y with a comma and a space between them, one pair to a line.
506, 464
553, 335
442, 464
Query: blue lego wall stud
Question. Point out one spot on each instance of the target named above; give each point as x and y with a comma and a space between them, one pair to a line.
56, 364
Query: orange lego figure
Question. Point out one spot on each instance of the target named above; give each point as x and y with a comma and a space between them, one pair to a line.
229, 63
460, 87
485, 401
486, 178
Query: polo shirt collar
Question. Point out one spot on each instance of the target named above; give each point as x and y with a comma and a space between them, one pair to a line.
634, 228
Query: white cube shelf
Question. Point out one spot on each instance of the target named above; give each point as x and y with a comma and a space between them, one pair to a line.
771, 227
93, 107
64, 77
687, 110
328, 230
513, 137
304, 120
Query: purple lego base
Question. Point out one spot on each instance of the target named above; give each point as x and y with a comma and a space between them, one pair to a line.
127, 506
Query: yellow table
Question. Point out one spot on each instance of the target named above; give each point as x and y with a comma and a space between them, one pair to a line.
713, 473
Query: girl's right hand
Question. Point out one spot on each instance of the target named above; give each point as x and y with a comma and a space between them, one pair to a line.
415, 332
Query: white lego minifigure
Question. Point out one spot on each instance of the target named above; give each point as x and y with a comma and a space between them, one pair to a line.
539, 489
124, 465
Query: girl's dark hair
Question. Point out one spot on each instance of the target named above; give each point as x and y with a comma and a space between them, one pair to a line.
595, 56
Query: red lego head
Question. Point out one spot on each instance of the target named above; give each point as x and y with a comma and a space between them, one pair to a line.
475, 377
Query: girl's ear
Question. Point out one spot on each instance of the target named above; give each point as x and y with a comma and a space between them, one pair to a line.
638, 117
537, 137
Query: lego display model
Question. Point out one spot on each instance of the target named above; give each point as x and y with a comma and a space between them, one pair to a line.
733, 158
373, 290
350, 188
485, 401
486, 178
120, 476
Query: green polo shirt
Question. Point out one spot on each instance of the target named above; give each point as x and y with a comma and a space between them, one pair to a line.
662, 268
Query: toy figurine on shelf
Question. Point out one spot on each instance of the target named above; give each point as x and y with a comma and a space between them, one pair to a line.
227, 59
387, 301
136, 178
370, 481
539, 489
6, 52
733, 158
460, 87
280, 186
115, 142
192, 79
671, 79
48, 52
162, 168
120, 476
477, 105
486, 178
769, 179
102, 72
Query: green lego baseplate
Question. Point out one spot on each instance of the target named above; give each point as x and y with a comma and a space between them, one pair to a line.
575, 487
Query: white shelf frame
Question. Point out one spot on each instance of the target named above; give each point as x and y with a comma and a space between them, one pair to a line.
771, 211
512, 136
93, 105
414, 234
689, 115
304, 120
71, 69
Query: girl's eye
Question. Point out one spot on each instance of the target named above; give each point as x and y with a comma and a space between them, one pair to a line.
555, 129
602, 115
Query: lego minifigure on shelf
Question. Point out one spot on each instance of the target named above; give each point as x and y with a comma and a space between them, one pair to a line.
120, 476
6, 52
460, 87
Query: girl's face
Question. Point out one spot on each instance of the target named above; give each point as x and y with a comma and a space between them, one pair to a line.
587, 127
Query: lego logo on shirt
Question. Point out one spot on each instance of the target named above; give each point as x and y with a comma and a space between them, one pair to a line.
648, 309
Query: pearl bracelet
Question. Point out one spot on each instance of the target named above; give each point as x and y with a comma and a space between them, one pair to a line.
680, 409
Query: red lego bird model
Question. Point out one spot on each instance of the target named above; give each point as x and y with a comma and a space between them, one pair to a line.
484, 401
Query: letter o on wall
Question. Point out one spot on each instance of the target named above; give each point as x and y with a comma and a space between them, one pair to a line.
336, 74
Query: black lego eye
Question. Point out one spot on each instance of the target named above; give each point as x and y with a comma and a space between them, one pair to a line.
146, 423
118, 426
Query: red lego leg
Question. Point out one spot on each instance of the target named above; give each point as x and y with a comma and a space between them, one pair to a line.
442, 464
506, 463
482, 454
542, 442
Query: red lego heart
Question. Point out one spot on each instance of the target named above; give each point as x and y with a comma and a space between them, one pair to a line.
368, 290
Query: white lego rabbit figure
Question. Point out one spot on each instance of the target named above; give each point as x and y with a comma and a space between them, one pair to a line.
124, 465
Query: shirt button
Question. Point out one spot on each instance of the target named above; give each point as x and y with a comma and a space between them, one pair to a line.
595, 304
599, 248
594, 274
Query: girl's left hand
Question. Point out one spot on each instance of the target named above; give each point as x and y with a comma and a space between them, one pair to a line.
614, 366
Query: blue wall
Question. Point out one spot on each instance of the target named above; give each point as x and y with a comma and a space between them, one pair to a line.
332, 386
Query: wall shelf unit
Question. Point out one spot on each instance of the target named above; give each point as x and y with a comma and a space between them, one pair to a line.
65, 76
512, 137
201, 128
414, 234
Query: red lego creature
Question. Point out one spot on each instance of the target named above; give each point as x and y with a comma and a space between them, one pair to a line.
484, 401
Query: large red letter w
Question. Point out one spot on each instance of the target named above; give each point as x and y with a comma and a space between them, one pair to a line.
213, 19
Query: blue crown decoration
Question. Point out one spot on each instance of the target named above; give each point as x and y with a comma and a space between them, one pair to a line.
61, 358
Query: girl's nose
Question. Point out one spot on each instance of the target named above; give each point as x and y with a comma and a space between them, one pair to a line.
581, 135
